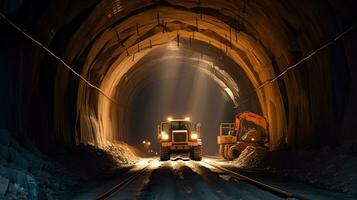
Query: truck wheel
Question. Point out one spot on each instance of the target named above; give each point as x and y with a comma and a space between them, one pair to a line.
164, 154
225, 152
233, 152
196, 153
191, 155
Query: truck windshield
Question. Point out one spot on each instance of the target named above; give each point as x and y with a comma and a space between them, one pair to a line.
180, 125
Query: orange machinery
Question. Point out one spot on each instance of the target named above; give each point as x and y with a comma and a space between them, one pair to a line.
248, 129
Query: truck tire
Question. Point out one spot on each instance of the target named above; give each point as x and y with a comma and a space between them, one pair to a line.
221, 151
225, 152
233, 152
191, 155
164, 154
196, 153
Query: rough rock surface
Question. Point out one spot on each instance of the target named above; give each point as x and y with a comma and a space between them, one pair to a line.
121, 152
250, 157
28, 174
327, 168
25, 173
4, 185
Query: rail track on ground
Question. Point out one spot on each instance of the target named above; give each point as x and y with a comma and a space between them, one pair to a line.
264, 186
235, 175
124, 183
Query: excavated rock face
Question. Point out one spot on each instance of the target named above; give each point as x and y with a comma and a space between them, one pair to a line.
110, 43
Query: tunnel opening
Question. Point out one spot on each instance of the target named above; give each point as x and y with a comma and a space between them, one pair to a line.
114, 52
180, 91
260, 48
174, 68
209, 115
90, 76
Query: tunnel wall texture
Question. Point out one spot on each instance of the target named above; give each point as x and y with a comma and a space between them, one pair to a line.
311, 106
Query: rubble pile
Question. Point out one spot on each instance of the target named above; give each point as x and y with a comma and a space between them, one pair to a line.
121, 152
250, 157
25, 174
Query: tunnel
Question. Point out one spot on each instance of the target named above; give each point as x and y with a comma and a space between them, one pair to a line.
77, 74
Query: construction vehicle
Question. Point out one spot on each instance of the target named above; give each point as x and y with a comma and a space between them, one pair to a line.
248, 129
178, 136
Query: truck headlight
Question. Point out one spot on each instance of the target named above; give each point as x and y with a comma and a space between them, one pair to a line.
164, 136
194, 136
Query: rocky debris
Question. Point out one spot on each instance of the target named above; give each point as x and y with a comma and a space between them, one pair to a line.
103, 160
15, 166
121, 152
250, 157
23, 179
325, 168
90, 163
16, 192
4, 184
28, 174
25, 173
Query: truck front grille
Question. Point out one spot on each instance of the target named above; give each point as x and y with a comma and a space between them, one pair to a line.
179, 136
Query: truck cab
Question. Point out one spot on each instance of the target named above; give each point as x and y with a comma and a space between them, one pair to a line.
178, 136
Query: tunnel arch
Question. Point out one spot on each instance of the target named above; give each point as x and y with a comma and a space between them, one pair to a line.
273, 34
133, 81
254, 53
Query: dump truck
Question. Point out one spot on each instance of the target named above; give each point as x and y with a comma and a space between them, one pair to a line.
248, 129
180, 136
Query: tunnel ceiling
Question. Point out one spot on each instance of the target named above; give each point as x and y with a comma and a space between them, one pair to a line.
212, 62
252, 41
215, 65
122, 43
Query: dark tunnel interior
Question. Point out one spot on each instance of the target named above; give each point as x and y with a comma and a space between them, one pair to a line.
195, 95
305, 108
83, 83
179, 82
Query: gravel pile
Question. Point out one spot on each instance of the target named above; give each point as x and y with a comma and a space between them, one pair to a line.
121, 152
250, 157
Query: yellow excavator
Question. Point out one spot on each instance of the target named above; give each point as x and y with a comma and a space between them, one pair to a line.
248, 129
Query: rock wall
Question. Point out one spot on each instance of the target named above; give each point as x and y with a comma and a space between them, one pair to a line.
310, 106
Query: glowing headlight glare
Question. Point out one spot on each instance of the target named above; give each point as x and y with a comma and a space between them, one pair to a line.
253, 139
194, 136
187, 119
169, 119
164, 136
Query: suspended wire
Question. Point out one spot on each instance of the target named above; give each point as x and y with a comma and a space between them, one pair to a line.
291, 67
308, 56
265, 83
58, 58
